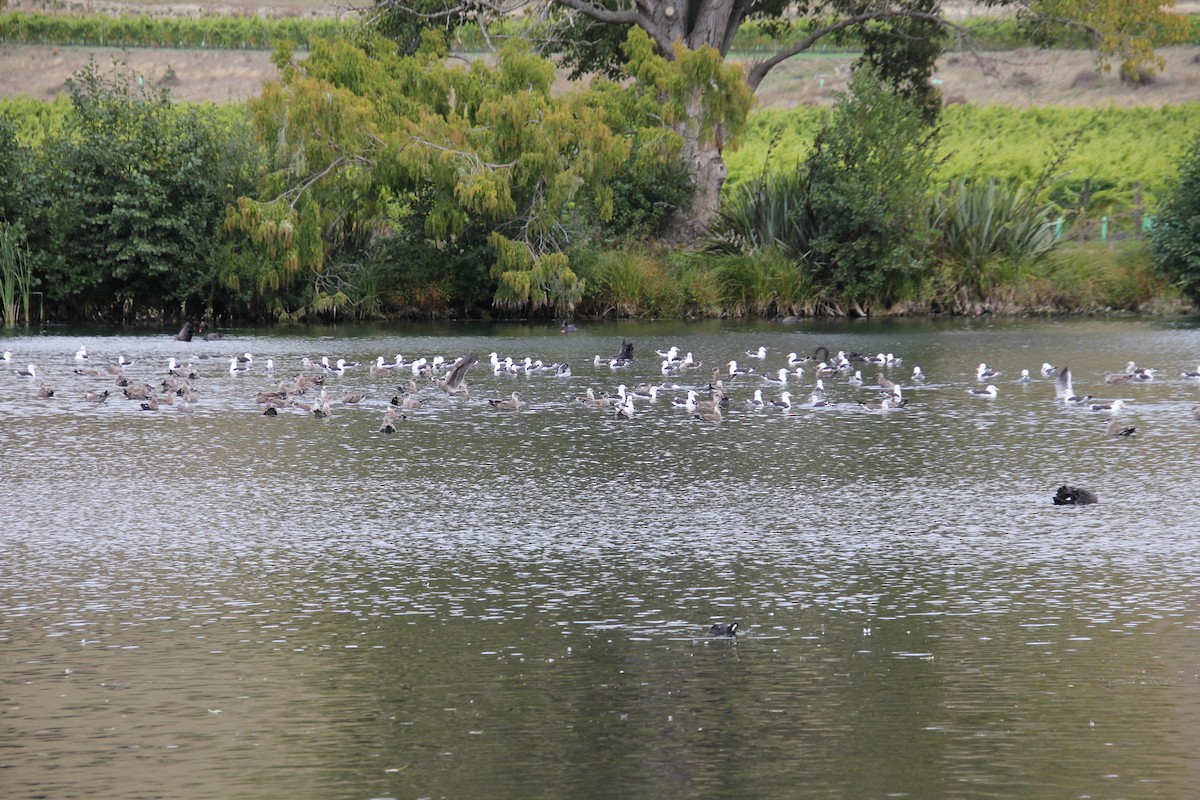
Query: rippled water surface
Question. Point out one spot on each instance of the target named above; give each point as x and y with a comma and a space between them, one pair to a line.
514, 605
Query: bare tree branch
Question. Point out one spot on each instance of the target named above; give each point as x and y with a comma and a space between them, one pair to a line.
463, 154
759, 71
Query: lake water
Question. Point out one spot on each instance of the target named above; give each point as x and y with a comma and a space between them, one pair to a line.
516, 605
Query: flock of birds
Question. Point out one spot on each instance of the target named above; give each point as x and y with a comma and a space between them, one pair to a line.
791, 385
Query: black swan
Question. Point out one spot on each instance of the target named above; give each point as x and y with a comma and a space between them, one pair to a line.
1074, 496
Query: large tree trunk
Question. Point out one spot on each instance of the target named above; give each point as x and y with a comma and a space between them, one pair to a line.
706, 165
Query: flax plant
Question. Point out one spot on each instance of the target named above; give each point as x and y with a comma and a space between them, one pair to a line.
990, 235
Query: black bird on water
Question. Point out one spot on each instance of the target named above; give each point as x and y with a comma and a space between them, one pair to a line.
723, 629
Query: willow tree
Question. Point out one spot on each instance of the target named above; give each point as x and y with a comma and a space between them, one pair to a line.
901, 40
361, 130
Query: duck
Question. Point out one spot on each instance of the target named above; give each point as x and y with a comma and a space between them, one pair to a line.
512, 403
723, 629
353, 397
990, 391
568, 327
96, 397
883, 382
45, 392
711, 415
985, 373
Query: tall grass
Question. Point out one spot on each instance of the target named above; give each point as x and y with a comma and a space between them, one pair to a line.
16, 276
631, 282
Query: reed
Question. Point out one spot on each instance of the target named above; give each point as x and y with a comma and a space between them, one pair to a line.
16, 276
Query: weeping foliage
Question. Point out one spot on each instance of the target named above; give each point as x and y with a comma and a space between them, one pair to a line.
536, 281
358, 125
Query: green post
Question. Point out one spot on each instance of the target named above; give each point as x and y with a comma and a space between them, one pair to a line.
1104, 228
1058, 223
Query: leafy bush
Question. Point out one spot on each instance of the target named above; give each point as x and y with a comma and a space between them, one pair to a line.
1176, 237
868, 176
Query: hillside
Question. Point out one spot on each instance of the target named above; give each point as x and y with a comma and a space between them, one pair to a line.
1025, 77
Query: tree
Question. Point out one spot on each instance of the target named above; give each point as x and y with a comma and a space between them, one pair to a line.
367, 139
138, 189
1176, 237
867, 178
900, 37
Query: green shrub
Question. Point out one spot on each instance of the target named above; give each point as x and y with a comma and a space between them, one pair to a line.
868, 176
1176, 236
